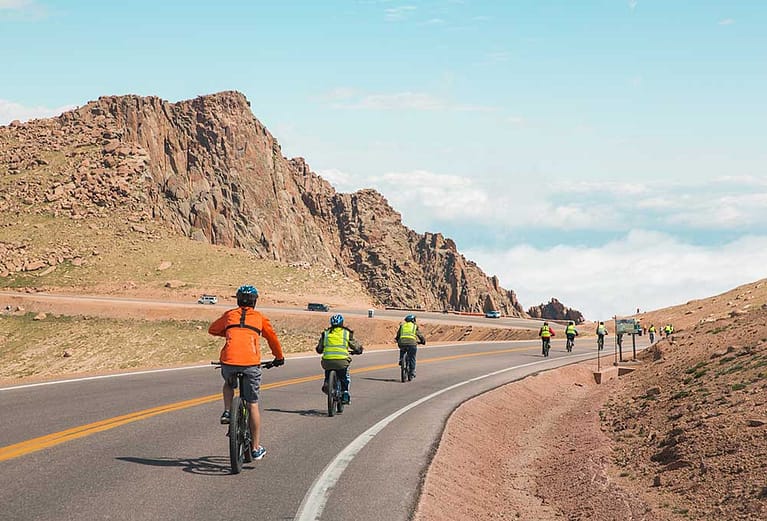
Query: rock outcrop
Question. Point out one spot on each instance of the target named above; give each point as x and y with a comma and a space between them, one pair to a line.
555, 310
211, 171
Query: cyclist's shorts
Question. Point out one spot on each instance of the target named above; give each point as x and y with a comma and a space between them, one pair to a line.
251, 381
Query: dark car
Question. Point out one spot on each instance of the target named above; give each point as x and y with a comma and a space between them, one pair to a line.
314, 306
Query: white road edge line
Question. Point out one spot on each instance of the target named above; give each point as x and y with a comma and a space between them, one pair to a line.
315, 499
150, 371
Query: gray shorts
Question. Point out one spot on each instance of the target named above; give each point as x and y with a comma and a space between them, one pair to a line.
251, 382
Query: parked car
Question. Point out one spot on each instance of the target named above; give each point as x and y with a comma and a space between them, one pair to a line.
207, 299
315, 306
493, 314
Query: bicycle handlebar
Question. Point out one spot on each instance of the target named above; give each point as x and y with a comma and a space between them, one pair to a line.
265, 365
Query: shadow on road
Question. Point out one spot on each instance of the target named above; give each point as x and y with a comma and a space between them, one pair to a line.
206, 466
302, 412
378, 379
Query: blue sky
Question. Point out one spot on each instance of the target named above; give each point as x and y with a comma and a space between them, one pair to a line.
609, 153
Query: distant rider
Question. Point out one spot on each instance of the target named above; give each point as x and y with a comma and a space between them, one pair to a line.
601, 333
651, 330
336, 345
408, 337
545, 333
242, 327
571, 333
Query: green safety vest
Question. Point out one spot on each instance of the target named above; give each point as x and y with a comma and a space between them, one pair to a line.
335, 344
601, 330
407, 331
570, 330
652, 329
545, 332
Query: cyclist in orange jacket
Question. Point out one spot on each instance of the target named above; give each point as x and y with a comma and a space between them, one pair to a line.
242, 327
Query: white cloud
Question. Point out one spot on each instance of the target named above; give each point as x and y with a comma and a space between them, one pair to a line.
646, 270
349, 99
393, 14
726, 21
10, 111
15, 4
633, 4
341, 181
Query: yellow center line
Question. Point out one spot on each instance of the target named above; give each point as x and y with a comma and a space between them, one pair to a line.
50, 440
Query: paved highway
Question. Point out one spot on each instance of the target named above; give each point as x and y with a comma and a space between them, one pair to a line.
148, 446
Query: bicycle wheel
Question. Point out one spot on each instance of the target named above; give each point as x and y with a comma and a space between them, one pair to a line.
236, 436
332, 378
339, 397
403, 367
546, 348
247, 445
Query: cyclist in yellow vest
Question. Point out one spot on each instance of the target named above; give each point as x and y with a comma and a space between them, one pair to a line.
601, 333
408, 337
545, 333
668, 329
571, 333
336, 346
651, 330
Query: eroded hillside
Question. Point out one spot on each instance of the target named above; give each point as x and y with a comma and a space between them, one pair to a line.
206, 169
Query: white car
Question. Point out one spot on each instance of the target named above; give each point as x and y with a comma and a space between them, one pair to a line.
493, 314
207, 299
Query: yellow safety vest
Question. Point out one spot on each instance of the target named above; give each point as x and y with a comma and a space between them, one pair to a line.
335, 343
545, 332
601, 330
570, 330
407, 331
652, 329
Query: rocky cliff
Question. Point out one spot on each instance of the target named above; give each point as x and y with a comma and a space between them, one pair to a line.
212, 172
555, 310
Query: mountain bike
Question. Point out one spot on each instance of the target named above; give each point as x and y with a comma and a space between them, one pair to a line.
404, 363
546, 346
240, 439
335, 394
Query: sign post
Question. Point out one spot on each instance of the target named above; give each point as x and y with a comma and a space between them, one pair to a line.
626, 326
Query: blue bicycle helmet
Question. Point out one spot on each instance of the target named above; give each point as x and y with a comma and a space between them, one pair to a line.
410, 318
336, 320
247, 296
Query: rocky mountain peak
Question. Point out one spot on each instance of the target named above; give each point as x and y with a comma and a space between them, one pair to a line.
208, 169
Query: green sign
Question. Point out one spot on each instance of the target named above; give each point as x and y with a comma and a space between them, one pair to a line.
627, 326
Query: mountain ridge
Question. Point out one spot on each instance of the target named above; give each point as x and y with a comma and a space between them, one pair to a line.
211, 171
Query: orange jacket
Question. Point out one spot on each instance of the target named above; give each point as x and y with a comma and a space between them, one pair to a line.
242, 328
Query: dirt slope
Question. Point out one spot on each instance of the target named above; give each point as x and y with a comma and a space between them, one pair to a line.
682, 437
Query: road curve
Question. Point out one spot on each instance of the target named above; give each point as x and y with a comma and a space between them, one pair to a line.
173, 464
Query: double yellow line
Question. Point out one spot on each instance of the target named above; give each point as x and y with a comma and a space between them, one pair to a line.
50, 440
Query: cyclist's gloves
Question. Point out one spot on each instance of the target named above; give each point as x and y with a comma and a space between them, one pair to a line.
278, 362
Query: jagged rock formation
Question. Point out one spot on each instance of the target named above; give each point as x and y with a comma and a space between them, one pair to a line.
555, 310
211, 171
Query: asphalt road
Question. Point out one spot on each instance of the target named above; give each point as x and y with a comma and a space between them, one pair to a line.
165, 461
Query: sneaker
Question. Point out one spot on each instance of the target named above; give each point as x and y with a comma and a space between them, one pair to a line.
346, 399
325, 388
225, 417
258, 453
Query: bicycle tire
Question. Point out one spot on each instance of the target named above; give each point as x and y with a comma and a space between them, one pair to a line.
248, 442
332, 393
339, 397
236, 436
404, 368
546, 348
